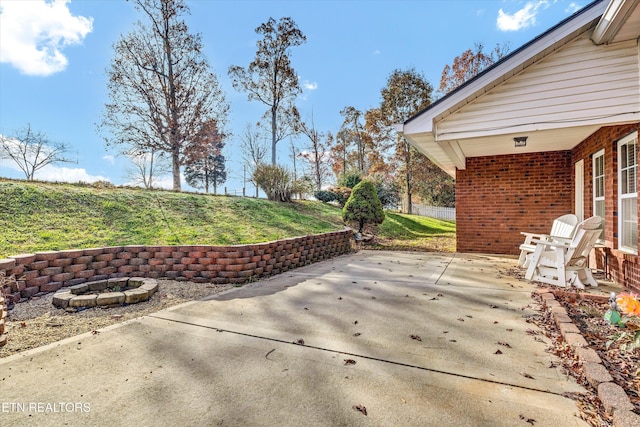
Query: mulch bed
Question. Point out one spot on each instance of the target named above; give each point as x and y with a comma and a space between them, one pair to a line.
588, 315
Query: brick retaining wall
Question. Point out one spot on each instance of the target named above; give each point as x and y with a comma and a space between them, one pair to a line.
44, 272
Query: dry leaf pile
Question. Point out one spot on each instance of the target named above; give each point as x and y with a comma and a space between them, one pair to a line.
588, 316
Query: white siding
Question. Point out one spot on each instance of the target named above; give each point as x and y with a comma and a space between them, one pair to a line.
579, 84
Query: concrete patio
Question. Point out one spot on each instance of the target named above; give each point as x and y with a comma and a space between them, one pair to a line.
437, 339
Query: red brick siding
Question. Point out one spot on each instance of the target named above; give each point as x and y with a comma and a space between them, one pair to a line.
497, 197
232, 264
623, 268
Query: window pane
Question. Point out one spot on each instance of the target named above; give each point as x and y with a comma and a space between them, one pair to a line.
630, 222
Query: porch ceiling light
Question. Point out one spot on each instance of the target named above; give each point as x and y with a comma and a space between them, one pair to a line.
520, 141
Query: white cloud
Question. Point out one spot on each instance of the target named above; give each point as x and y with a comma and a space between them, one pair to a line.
109, 158
309, 85
63, 174
377, 52
34, 33
573, 7
523, 18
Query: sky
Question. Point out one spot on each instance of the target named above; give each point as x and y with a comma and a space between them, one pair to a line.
54, 55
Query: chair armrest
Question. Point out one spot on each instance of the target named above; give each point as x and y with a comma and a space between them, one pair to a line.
534, 235
552, 244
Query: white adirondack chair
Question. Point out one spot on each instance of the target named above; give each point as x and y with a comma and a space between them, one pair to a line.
564, 262
562, 227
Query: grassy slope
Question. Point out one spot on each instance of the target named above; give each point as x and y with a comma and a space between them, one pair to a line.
44, 216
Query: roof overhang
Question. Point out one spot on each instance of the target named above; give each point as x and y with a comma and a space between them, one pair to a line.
619, 22
449, 151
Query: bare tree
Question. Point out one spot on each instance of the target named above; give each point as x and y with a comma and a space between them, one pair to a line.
147, 167
271, 79
32, 150
254, 150
317, 153
160, 87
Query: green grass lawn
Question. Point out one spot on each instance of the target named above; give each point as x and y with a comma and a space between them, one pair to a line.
413, 232
46, 216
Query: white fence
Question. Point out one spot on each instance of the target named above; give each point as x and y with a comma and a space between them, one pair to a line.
434, 212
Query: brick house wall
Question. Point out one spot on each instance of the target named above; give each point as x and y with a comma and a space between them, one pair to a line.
497, 197
622, 267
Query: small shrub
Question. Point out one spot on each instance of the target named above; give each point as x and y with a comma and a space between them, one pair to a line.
276, 182
342, 194
387, 189
350, 180
325, 196
363, 207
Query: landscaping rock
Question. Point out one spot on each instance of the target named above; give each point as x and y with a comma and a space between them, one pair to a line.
626, 419
614, 398
61, 299
79, 289
596, 373
83, 301
110, 298
133, 296
99, 285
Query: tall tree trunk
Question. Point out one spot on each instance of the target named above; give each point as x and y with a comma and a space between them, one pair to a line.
407, 157
173, 102
274, 129
175, 169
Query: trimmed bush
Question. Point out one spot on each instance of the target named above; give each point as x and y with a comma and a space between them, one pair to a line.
325, 196
363, 207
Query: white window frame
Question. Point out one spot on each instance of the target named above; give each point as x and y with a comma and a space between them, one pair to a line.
625, 194
599, 179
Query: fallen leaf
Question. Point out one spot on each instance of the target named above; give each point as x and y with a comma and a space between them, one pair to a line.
339, 297
95, 332
493, 306
510, 330
360, 408
445, 332
366, 288
300, 341
349, 362
524, 374
506, 344
469, 316
440, 295
527, 419
355, 322
434, 298
416, 337
498, 352
453, 341
461, 319
23, 325
357, 334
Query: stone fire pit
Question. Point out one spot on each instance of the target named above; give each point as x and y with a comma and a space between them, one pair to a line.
106, 293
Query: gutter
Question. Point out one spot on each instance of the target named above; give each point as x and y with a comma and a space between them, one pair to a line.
614, 17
